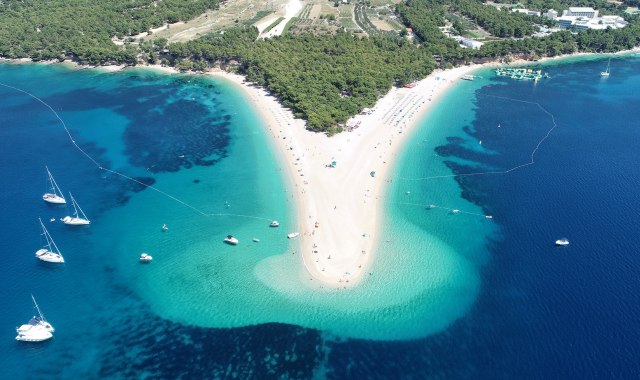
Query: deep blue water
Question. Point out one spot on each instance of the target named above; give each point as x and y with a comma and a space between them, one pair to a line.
542, 311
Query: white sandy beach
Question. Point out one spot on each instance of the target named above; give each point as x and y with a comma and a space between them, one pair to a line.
339, 208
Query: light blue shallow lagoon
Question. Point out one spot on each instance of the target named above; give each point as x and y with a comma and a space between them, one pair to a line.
451, 293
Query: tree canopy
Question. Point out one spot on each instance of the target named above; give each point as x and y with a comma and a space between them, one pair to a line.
325, 78
83, 29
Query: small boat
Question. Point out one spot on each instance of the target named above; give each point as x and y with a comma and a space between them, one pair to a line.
76, 220
274, 223
55, 194
489, 216
256, 240
145, 258
606, 72
432, 206
50, 252
293, 235
468, 77
164, 228
455, 211
231, 240
562, 242
37, 330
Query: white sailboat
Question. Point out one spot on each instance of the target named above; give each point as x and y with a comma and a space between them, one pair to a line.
76, 220
37, 330
55, 194
50, 251
606, 72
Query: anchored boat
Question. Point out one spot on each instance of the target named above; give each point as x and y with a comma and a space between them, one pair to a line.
76, 220
55, 194
37, 330
50, 251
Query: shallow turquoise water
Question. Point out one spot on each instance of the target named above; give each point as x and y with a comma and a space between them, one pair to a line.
213, 172
478, 314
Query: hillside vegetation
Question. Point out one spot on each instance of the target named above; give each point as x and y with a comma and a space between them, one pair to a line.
82, 29
323, 77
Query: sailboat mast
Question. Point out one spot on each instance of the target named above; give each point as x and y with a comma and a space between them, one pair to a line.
50, 241
73, 202
54, 186
46, 235
37, 308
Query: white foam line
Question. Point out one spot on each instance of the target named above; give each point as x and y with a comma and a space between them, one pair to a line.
101, 167
531, 157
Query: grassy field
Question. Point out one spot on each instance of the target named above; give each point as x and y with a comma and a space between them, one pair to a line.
230, 13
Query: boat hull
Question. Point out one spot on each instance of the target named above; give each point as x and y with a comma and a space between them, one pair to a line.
41, 336
48, 256
75, 221
35, 332
53, 198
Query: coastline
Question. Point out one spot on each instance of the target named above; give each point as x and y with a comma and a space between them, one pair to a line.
338, 208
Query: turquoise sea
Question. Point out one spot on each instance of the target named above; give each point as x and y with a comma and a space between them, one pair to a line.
451, 294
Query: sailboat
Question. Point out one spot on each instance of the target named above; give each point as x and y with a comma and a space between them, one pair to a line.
76, 220
37, 330
50, 251
606, 72
55, 194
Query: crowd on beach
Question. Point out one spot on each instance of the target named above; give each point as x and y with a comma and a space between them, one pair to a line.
346, 200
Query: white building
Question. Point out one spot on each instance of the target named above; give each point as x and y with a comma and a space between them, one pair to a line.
551, 14
587, 12
469, 43
526, 11
581, 18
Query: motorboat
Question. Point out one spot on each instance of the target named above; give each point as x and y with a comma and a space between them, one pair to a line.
562, 242
468, 77
293, 235
76, 220
256, 240
49, 252
231, 240
37, 329
145, 258
274, 223
55, 194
